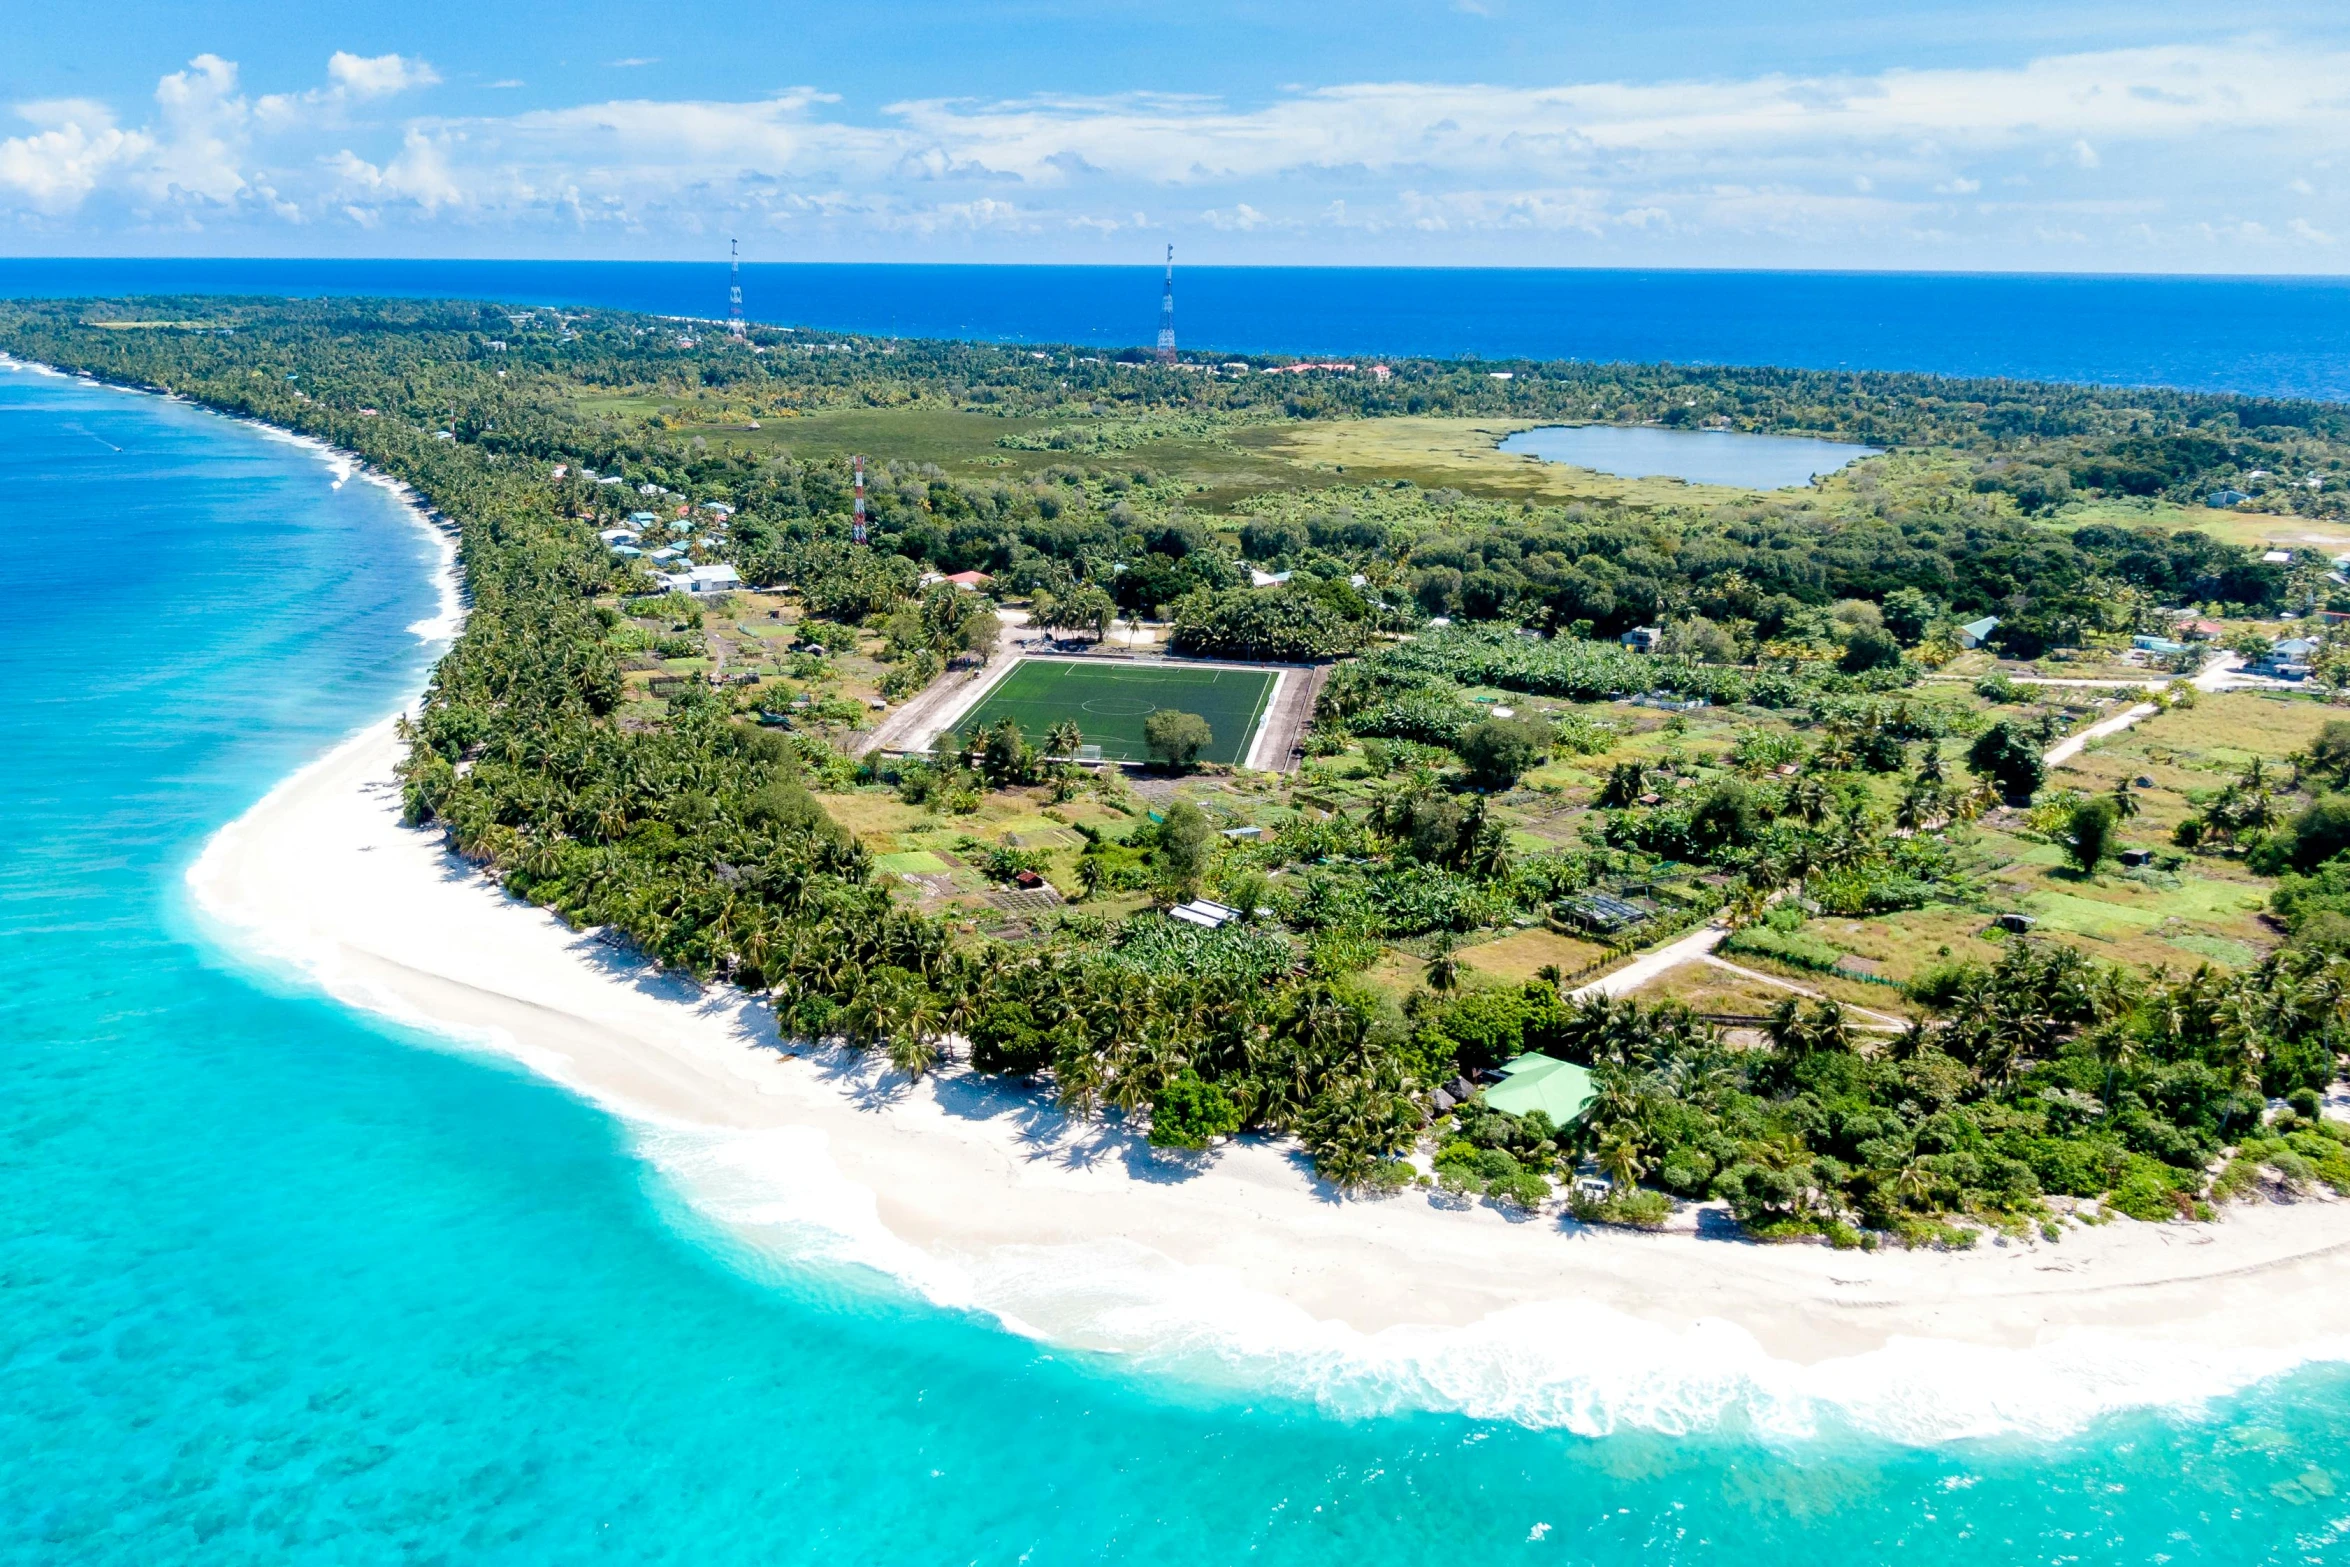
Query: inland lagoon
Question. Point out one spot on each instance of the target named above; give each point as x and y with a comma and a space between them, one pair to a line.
1724, 457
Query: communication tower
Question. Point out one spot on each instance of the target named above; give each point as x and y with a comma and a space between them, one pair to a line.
734, 290
1167, 313
857, 528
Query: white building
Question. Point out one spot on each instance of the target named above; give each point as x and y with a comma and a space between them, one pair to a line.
704, 579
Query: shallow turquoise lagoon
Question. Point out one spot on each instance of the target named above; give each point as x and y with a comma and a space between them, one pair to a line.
281, 1284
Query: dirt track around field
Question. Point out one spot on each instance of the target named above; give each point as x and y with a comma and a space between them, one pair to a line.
1281, 736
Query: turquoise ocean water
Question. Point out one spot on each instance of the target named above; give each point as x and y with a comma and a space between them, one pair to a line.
281, 1283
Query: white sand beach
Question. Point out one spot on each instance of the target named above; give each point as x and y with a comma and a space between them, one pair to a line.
981, 1196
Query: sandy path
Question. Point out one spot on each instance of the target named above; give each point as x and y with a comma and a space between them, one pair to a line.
2065, 750
1700, 944
1725, 965
949, 697
1697, 944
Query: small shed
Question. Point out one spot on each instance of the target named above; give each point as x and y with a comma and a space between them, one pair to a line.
1559, 1089
1977, 632
1603, 911
1206, 915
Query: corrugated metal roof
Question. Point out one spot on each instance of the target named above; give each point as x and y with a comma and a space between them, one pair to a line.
1559, 1089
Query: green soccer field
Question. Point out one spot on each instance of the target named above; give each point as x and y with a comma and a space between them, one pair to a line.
1109, 701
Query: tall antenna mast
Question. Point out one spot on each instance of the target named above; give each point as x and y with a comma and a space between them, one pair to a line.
1167, 314
857, 528
734, 290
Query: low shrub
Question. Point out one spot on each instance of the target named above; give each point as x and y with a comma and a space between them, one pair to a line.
1638, 1209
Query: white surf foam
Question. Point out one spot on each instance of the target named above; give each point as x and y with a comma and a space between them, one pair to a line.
1560, 1364
31, 367
449, 617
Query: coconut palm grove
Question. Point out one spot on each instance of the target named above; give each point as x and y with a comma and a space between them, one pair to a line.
1968, 980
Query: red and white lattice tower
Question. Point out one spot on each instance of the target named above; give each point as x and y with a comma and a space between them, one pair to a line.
734, 290
857, 528
1167, 313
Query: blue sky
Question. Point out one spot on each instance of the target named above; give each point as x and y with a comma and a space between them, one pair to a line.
1814, 133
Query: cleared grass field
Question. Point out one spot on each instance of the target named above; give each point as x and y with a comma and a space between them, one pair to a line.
1108, 703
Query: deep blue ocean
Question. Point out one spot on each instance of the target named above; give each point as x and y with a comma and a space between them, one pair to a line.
282, 1283
2275, 337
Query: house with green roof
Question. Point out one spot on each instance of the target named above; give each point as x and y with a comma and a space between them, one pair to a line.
1559, 1089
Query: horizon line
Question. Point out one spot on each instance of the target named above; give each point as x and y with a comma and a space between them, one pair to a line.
1153, 265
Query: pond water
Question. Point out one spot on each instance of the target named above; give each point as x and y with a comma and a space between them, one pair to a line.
1749, 462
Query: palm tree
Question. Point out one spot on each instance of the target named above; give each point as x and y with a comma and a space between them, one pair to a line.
2115, 1045
1444, 970
1974, 803
1919, 805
1619, 1156
1835, 753
1914, 1183
1801, 1032
1063, 739
1626, 782
2259, 810
913, 1046
1077, 1072
1809, 801
1489, 852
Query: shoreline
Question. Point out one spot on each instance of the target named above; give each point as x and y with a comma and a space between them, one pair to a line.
979, 1196
1240, 1270
343, 463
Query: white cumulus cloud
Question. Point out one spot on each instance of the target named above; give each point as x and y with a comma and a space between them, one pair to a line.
75, 144
2111, 152
377, 76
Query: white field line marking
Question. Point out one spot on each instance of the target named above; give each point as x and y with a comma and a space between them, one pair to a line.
1265, 724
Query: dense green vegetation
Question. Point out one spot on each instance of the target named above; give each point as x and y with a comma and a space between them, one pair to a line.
704, 835
2043, 1075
